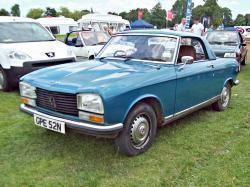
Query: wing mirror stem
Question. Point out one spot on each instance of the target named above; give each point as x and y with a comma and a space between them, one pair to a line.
186, 60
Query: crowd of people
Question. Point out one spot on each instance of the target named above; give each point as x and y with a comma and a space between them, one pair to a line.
197, 27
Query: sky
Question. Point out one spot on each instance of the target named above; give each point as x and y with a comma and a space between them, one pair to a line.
104, 6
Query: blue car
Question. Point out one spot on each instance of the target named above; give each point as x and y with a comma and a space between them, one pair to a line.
139, 81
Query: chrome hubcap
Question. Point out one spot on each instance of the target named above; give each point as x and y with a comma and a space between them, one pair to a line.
1, 80
139, 131
225, 96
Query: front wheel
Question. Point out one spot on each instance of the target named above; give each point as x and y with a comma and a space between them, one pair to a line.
4, 83
139, 131
225, 98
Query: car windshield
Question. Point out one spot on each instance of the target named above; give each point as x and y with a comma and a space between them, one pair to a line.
142, 47
95, 38
16, 32
222, 38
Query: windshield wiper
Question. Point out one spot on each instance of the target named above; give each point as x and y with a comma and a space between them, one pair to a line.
101, 43
219, 43
233, 43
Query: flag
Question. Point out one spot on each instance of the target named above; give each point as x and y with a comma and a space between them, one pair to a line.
170, 15
140, 13
188, 13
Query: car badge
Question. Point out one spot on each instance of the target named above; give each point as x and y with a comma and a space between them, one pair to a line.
52, 101
50, 54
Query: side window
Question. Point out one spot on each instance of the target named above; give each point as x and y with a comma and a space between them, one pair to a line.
192, 47
199, 49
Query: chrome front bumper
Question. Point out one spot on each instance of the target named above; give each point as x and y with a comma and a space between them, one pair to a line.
84, 127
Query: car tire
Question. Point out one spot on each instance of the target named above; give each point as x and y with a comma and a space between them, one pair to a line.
139, 130
4, 83
244, 62
225, 99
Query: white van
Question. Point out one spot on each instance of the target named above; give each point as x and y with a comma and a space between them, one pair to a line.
25, 46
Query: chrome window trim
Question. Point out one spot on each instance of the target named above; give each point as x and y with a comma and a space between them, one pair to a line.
147, 34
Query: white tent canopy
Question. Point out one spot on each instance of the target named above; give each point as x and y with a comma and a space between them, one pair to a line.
98, 21
58, 25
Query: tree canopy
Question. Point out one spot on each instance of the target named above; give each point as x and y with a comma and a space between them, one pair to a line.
15, 10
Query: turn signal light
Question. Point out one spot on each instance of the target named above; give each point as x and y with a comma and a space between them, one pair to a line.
96, 119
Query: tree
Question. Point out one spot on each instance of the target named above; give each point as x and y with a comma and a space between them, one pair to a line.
158, 16
239, 20
50, 12
4, 12
227, 16
15, 10
247, 19
64, 11
179, 10
35, 13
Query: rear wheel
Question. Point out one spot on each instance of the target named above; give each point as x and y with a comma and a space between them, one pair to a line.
225, 98
244, 62
4, 83
139, 131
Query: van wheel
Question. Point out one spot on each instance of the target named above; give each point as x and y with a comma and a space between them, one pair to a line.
139, 131
225, 98
4, 84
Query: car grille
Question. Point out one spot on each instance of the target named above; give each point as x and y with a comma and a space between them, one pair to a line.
56, 101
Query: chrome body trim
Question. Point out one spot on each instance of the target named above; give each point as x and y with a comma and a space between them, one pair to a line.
187, 111
81, 125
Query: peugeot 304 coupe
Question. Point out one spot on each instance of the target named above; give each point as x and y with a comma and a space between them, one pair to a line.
139, 81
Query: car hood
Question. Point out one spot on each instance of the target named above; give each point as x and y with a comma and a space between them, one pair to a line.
37, 50
107, 77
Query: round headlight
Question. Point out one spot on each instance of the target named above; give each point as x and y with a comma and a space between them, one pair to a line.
90, 103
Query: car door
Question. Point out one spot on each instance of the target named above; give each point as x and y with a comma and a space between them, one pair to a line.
194, 81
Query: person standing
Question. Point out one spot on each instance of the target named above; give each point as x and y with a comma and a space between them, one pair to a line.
197, 27
182, 25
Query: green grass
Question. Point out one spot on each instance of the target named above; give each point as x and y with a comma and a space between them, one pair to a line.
206, 148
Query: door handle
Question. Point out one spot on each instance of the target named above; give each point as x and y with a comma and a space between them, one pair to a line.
210, 66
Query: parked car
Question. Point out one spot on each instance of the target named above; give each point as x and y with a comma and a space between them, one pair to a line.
86, 44
228, 44
140, 80
25, 46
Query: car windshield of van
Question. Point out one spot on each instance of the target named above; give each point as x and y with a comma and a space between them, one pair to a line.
92, 38
222, 38
141, 47
17, 32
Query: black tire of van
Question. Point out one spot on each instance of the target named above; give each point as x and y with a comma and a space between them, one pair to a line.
4, 81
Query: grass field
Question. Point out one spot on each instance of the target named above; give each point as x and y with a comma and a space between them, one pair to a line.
206, 148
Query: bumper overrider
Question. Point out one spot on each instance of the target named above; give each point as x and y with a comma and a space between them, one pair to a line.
82, 127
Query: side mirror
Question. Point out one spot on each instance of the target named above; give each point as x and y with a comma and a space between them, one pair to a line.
79, 45
187, 60
243, 44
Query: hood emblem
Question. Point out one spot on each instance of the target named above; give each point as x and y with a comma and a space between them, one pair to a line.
50, 54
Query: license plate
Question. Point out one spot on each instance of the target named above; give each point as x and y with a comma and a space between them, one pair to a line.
50, 124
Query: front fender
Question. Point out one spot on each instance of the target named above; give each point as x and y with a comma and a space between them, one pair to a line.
138, 99
4, 61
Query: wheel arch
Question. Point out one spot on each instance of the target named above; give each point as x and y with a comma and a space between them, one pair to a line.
230, 81
154, 102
